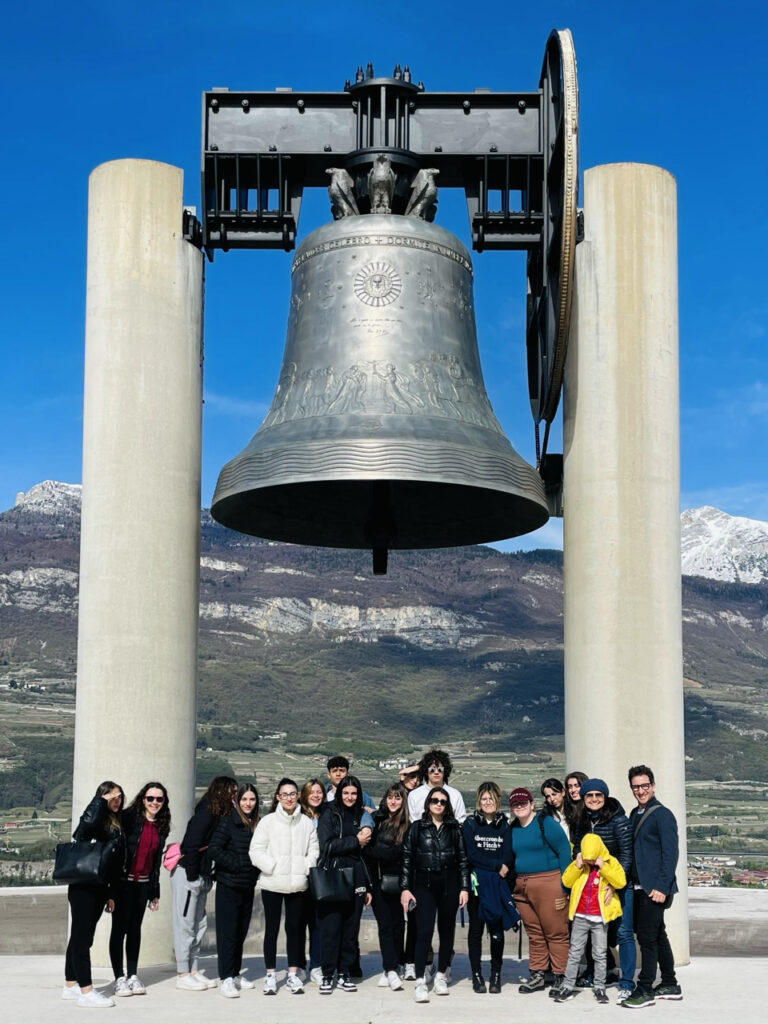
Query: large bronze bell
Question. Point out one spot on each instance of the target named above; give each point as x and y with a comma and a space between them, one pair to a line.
380, 434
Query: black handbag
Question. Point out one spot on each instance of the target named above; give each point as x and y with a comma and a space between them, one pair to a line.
390, 885
84, 861
331, 884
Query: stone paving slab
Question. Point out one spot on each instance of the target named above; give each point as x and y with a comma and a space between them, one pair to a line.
716, 991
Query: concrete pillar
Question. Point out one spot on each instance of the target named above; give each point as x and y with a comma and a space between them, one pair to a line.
139, 558
622, 591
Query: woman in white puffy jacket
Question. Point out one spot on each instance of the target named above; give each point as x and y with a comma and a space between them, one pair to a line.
284, 847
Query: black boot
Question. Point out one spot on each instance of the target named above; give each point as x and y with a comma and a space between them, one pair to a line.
478, 982
494, 986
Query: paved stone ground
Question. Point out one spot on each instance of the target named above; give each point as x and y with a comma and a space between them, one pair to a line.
716, 991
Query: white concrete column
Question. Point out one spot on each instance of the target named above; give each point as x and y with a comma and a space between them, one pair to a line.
622, 600
140, 543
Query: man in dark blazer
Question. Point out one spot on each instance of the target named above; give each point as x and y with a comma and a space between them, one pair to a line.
655, 853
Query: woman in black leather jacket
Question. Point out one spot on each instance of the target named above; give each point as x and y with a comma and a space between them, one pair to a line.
102, 820
434, 876
147, 822
235, 882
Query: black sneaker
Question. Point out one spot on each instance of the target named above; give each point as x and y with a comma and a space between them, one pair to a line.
326, 986
494, 985
639, 999
600, 995
668, 992
346, 984
557, 981
535, 983
478, 983
563, 994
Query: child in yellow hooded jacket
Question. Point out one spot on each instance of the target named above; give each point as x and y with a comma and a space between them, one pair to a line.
592, 878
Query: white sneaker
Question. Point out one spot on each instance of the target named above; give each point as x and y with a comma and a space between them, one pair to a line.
420, 991
316, 975
440, 986
393, 980
190, 983
207, 982
243, 982
269, 987
121, 987
95, 998
70, 992
294, 983
383, 981
135, 985
409, 974
228, 989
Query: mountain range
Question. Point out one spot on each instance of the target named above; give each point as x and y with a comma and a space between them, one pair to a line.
451, 644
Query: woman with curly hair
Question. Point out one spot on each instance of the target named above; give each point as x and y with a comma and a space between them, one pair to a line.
384, 855
435, 881
190, 884
235, 882
146, 822
101, 820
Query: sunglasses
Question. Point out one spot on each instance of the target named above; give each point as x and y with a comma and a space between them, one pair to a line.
438, 800
593, 796
436, 768
155, 799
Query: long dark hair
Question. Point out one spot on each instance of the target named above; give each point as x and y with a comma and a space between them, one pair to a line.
449, 815
219, 795
347, 782
251, 819
114, 819
163, 816
278, 787
572, 808
395, 825
558, 787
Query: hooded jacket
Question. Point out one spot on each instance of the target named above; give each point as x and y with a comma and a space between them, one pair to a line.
284, 847
611, 874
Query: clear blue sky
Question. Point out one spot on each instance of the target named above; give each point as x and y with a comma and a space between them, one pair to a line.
678, 84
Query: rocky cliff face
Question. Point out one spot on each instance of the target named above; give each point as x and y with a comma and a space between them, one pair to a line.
722, 547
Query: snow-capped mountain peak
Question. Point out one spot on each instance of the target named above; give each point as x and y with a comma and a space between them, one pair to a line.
51, 498
723, 547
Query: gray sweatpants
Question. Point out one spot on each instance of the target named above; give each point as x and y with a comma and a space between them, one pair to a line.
582, 928
189, 920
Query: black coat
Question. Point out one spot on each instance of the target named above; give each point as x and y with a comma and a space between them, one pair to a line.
94, 824
228, 850
612, 825
133, 825
429, 849
337, 834
383, 855
200, 828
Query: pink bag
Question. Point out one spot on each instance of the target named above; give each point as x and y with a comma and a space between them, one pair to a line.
172, 856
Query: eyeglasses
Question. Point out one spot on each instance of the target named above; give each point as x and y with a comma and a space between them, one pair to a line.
641, 787
594, 796
155, 799
438, 800
436, 768
289, 796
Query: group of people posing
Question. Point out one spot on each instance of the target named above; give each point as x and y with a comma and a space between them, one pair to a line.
581, 875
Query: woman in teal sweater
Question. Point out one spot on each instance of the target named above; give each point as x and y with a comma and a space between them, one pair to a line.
542, 853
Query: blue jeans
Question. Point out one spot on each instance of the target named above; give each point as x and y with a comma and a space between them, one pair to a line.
625, 938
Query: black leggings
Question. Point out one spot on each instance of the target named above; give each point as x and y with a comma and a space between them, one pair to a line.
475, 938
388, 912
131, 901
86, 903
436, 898
233, 917
294, 926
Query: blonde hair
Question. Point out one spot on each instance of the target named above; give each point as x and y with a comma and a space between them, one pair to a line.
488, 787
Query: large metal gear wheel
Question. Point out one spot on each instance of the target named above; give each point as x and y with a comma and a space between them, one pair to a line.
551, 265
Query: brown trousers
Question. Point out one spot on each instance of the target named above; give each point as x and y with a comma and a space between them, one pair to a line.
544, 909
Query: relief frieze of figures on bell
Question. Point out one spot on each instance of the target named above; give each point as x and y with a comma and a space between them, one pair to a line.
436, 385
